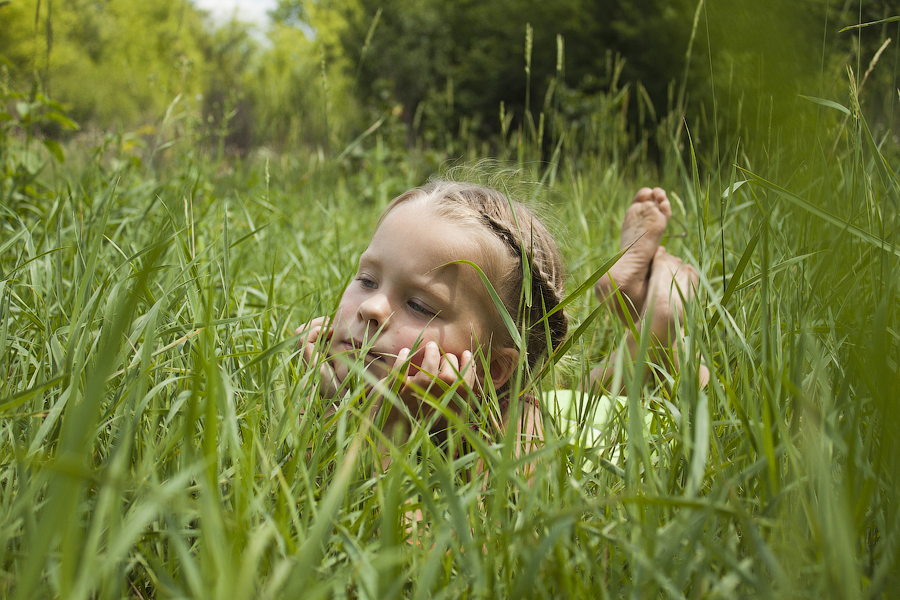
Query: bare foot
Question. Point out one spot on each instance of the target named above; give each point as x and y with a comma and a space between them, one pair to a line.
671, 284
645, 221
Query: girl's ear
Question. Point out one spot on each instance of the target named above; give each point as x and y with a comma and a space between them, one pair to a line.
503, 363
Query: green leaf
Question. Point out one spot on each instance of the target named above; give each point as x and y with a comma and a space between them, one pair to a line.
828, 103
733, 188
55, 149
566, 345
31, 260
63, 120
268, 352
24, 396
249, 235
888, 178
827, 216
12, 240
363, 136
51, 103
588, 283
775, 269
736, 276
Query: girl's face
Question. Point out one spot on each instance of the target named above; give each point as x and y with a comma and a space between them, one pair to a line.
405, 295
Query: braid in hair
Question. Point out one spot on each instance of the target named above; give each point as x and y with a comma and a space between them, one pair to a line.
544, 297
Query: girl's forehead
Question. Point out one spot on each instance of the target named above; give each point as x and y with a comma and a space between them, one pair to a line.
436, 229
434, 236
415, 209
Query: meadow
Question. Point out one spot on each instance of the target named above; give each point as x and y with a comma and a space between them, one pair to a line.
160, 438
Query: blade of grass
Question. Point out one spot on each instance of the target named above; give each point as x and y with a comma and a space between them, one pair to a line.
822, 214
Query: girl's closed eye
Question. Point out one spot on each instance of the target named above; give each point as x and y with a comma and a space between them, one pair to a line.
420, 309
367, 282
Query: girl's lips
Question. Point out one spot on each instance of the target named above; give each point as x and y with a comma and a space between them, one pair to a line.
354, 347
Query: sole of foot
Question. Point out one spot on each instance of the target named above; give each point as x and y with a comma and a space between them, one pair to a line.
642, 229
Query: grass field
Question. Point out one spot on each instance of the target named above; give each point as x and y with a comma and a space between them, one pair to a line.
159, 437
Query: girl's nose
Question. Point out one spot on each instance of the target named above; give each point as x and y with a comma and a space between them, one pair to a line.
375, 309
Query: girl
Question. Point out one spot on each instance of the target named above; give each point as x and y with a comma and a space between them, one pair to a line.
419, 308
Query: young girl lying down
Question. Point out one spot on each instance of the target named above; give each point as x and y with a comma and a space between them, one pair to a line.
419, 317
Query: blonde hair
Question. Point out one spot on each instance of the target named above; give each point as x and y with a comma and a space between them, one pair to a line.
530, 248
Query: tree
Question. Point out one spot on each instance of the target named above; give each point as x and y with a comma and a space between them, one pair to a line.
471, 54
114, 61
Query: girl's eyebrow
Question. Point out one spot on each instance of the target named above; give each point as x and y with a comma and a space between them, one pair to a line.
368, 259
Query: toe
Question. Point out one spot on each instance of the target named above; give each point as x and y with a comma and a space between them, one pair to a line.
643, 195
662, 202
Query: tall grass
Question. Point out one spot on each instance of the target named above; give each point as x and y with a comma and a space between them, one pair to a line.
160, 438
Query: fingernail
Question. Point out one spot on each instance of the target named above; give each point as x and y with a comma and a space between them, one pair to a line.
432, 344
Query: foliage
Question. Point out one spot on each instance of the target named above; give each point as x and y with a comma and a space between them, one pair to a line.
120, 64
304, 101
446, 62
159, 437
430, 69
471, 56
111, 62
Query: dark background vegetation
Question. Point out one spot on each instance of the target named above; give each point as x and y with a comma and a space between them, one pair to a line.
326, 70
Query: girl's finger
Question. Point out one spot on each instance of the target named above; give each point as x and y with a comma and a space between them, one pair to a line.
309, 354
402, 356
449, 368
467, 369
309, 325
431, 361
313, 329
309, 336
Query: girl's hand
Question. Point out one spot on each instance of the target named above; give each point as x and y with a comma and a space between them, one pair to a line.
437, 370
315, 352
